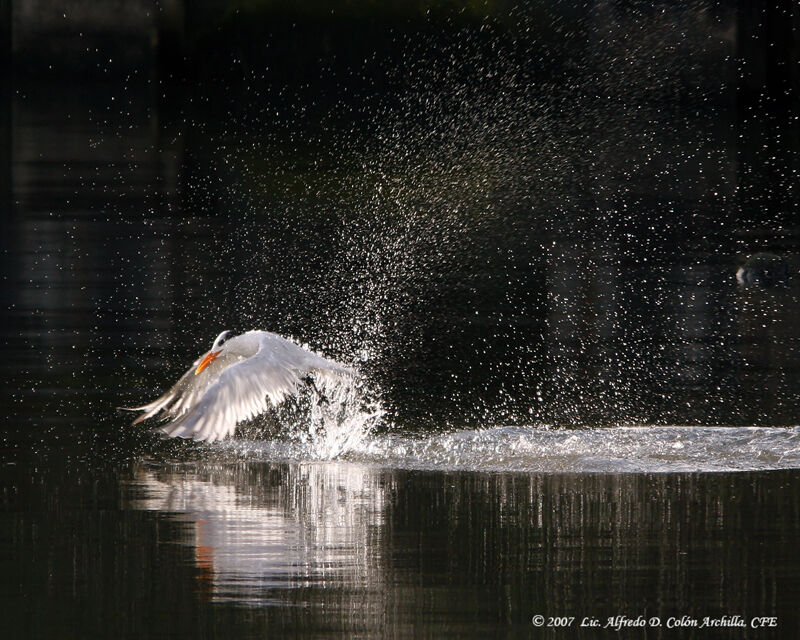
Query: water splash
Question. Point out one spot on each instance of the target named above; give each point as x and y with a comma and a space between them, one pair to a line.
635, 449
337, 415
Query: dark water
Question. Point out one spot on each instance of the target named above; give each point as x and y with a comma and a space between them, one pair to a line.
534, 267
257, 549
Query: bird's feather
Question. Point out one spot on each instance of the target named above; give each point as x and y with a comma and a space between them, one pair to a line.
237, 386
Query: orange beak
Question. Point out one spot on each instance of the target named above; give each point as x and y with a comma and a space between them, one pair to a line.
210, 357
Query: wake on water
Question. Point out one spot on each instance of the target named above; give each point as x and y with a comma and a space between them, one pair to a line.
340, 423
640, 449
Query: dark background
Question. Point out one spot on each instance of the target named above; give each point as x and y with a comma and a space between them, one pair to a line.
503, 213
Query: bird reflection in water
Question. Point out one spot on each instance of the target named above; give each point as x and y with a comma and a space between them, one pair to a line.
257, 528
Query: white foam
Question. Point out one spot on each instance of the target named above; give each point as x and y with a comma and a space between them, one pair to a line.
651, 449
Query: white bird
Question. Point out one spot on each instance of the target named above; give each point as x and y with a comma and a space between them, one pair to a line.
232, 383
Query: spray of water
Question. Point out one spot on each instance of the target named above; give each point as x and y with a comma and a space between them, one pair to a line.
423, 240
326, 420
340, 418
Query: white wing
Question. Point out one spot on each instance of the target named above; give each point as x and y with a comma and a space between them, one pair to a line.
209, 407
185, 392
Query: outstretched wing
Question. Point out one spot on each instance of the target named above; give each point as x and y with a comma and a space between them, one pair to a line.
235, 388
241, 392
185, 392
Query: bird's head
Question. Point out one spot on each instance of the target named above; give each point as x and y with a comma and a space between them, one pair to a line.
212, 355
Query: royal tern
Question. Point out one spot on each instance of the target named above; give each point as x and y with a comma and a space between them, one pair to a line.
233, 381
